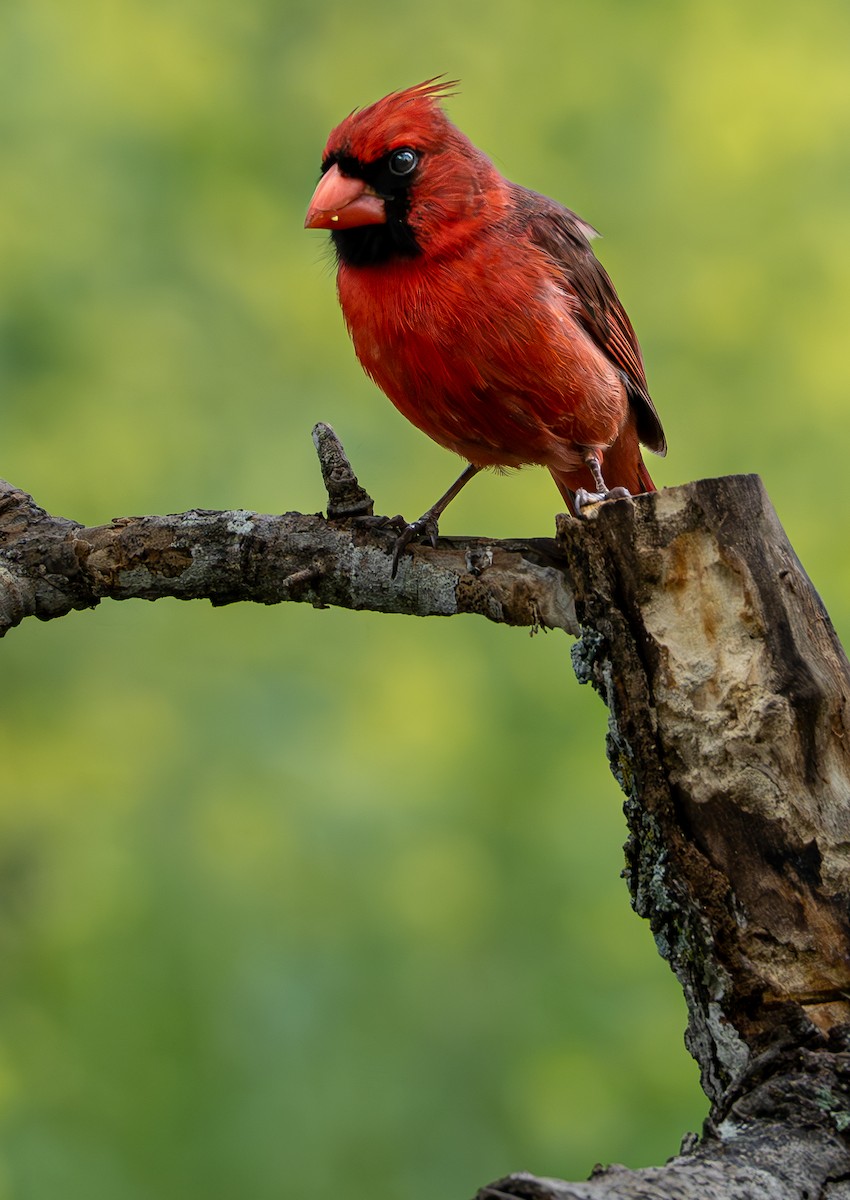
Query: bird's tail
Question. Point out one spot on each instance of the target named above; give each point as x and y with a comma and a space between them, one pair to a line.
644, 477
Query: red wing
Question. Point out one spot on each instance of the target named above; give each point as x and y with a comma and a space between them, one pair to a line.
564, 237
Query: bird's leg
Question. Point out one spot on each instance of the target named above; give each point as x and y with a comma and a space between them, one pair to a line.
428, 522
592, 464
603, 492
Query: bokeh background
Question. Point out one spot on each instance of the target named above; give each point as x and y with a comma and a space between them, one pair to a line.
297, 902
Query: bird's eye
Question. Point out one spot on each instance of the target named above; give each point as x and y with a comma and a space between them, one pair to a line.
403, 161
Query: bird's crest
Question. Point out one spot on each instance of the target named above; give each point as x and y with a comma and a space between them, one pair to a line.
413, 116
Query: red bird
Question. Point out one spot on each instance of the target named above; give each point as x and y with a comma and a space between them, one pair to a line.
479, 307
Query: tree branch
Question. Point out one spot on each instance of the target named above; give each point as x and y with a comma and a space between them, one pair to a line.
51, 565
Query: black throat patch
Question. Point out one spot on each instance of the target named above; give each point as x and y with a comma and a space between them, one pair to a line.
372, 245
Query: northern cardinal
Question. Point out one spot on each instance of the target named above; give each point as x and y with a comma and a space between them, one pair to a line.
479, 308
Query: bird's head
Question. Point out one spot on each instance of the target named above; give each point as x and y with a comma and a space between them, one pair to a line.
400, 180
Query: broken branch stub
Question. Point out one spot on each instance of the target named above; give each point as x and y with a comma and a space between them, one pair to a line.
729, 734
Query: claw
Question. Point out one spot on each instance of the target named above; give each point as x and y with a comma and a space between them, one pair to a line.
427, 523
426, 526
584, 498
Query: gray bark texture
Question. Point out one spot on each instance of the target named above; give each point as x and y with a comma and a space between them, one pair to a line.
729, 733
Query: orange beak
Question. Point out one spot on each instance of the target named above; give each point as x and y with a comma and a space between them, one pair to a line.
340, 202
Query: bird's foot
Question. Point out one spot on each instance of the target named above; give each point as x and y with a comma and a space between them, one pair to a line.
583, 498
426, 527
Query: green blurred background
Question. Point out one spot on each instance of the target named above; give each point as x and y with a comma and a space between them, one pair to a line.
296, 902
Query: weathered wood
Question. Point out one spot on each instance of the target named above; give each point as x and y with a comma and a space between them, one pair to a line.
763, 1163
51, 565
728, 692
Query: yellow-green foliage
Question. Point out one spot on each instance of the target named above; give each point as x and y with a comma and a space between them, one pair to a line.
292, 902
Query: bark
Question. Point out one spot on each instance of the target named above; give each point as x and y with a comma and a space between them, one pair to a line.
51, 565
728, 732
